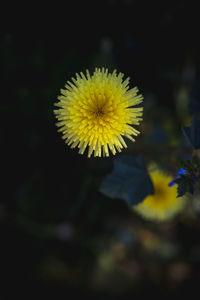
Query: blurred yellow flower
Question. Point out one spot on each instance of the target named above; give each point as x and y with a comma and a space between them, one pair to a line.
164, 203
97, 110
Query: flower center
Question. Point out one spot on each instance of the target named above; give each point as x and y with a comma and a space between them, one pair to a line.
99, 112
159, 191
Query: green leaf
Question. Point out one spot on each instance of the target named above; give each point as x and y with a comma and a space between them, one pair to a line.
129, 180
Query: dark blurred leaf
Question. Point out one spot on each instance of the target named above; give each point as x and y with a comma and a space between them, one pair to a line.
194, 96
128, 181
192, 133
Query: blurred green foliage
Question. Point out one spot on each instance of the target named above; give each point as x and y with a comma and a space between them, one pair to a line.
59, 235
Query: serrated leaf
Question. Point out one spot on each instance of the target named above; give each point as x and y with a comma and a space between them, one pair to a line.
129, 180
192, 133
185, 185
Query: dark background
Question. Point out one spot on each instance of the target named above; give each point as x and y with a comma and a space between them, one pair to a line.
55, 225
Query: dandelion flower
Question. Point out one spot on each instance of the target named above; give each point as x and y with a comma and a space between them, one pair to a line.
97, 110
164, 203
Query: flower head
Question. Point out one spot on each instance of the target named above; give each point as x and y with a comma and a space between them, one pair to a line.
97, 110
164, 203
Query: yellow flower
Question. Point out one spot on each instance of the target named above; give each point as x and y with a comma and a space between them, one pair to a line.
96, 110
164, 203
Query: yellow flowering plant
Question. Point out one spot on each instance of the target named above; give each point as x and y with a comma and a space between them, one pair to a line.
163, 204
97, 110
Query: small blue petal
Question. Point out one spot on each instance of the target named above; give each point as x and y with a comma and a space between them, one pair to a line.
171, 183
181, 171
